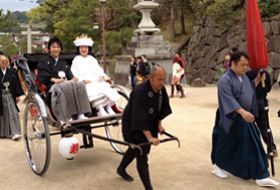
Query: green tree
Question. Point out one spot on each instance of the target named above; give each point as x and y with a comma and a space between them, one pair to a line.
67, 19
224, 11
176, 11
227, 12
118, 39
184, 6
20, 16
8, 46
22, 44
269, 7
7, 22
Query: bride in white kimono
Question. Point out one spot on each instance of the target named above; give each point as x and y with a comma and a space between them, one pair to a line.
86, 68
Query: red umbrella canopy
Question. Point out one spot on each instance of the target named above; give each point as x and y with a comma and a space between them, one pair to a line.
256, 44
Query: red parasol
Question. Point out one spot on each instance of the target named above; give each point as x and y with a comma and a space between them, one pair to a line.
256, 44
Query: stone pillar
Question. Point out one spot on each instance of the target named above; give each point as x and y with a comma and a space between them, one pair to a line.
29, 39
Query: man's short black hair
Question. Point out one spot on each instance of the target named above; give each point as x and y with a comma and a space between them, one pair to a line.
234, 49
236, 56
54, 40
1, 53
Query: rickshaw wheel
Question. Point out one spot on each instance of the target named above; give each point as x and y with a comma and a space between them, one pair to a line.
115, 131
36, 138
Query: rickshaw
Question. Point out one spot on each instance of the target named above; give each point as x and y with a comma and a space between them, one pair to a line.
37, 118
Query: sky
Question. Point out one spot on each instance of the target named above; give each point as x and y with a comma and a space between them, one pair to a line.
17, 5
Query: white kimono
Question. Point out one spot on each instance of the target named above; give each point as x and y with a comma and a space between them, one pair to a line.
87, 68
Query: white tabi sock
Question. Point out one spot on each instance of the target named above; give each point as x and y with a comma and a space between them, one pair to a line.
267, 182
110, 110
81, 116
219, 172
102, 112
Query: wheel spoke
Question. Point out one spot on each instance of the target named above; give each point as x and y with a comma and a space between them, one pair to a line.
115, 131
36, 137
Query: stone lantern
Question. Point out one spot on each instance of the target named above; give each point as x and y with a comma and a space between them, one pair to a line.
146, 40
146, 26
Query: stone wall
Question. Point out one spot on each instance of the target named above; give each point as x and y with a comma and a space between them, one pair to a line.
209, 44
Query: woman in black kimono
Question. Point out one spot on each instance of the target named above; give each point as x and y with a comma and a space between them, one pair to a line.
10, 92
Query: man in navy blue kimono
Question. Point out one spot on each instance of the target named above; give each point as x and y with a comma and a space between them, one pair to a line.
237, 147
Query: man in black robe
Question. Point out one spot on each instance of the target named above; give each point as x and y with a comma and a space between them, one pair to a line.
263, 108
49, 68
147, 107
237, 147
10, 90
15, 87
